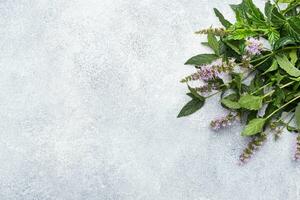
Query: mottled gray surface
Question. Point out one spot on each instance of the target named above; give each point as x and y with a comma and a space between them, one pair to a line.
89, 95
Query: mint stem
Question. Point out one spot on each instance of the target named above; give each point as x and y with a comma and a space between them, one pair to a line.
294, 99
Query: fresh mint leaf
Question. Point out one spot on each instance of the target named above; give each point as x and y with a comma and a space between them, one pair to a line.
254, 126
191, 107
273, 67
230, 104
251, 102
284, 41
201, 59
287, 66
223, 21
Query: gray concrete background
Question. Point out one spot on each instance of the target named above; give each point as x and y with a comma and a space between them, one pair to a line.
89, 93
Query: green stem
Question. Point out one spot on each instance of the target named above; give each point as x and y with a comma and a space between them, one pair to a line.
292, 7
265, 56
261, 88
294, 99
283, 86
288, 48
282, 118
270, 54
213, 94
260, 63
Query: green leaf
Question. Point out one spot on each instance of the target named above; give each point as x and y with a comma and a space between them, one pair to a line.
295, 79
239, 12
287, 66
273, 36
230, 104
223, 21
293, 56
213, 43
291, 128
239, 34
291, 9
201, 59
293, 27
205, 44
273, 67
190, 95
285, 1
195, 94
251, 102
191, 107
253, 10
284, 41
277, 18
254, 126
297, 116
268, 10
277, 77
279, 97
233, 47
237, 81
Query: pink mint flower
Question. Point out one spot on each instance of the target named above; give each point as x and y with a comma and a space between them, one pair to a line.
207, 73
210, 72
253, 46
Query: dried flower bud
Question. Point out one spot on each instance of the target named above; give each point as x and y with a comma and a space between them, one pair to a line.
214, 31
253, 146
223, 121
192, 77
297, 152
206, 88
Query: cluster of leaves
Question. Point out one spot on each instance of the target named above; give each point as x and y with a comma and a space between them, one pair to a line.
274, 74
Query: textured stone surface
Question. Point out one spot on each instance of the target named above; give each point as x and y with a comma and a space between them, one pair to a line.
89, 93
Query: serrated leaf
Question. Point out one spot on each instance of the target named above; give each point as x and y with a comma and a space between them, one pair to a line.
239, 12
230, 104
195, 94
277, 18
223, 21
201, 59
239, 34
287, 66
254, 126
273, 36
284, 41
293, 56
279, 97
297, 116
273, 67
253, 10
251, 102
293, 27
191, 107
233, 47
268, 10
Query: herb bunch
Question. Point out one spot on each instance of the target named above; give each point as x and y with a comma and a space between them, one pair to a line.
255, 69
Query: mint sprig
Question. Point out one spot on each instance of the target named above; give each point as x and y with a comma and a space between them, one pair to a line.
263, 81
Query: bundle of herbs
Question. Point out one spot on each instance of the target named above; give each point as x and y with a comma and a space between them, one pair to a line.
255, 69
